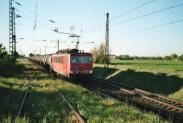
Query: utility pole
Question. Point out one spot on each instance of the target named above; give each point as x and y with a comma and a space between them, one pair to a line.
45, 49
57, 45
12, 35
106, 66
40, 51
44, 46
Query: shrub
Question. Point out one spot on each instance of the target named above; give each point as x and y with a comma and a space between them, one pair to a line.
99, 54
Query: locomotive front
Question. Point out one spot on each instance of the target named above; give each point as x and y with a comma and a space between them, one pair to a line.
81, 64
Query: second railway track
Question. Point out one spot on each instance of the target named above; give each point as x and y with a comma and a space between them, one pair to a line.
163, 105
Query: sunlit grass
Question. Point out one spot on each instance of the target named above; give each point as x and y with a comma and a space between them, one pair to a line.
155, 66
43, 104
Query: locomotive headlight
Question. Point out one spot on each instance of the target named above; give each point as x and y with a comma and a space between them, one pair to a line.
89, 71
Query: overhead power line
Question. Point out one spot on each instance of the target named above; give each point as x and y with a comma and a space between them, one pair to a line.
151, 13
134, 9
152, 27
48, 22
18, 3
128, 11
44, 18
141, 16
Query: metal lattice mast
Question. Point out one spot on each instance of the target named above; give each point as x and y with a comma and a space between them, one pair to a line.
10, 28
107, 43
12, 35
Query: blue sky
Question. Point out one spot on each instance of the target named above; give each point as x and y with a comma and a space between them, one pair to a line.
88, 18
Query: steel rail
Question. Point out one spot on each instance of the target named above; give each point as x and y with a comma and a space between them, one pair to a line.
145, 93
70, 106
22, 104
149, 96
160, 97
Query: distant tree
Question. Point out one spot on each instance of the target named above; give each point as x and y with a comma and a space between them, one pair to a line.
167, 58
4, 57
159, 58
118, 57
124, 57
135, 57
99, 54
31, 55
173, 56
181, 57
3, 51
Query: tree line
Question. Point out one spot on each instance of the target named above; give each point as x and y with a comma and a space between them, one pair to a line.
99, 56
4, 56
172, 56
7, 62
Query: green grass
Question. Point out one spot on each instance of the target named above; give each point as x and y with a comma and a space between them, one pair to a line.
161, 77
171, 67
43, 103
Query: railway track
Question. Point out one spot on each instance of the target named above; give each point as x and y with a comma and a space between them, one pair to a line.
77, 115
22, 103
162, 105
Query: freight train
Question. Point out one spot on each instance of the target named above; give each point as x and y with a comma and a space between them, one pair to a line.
73, 64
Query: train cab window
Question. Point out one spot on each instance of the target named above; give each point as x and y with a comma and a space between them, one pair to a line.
85, 59
75, 59
81, 59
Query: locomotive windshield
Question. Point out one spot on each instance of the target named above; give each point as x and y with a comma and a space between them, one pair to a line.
81, 59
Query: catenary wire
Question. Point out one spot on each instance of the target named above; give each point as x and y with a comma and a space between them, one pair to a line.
150, 28
141, 16
124, 13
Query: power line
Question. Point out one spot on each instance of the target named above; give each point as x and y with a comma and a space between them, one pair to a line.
128, 11
44, 20
152, 27
141, 16
34, 18
35, 13
31, 19
151, 13
133, 9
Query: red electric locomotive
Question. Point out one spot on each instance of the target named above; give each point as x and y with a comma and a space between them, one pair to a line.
72, 63
68, 63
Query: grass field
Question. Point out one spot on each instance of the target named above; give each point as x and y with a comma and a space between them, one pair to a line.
43, 103
161, 77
